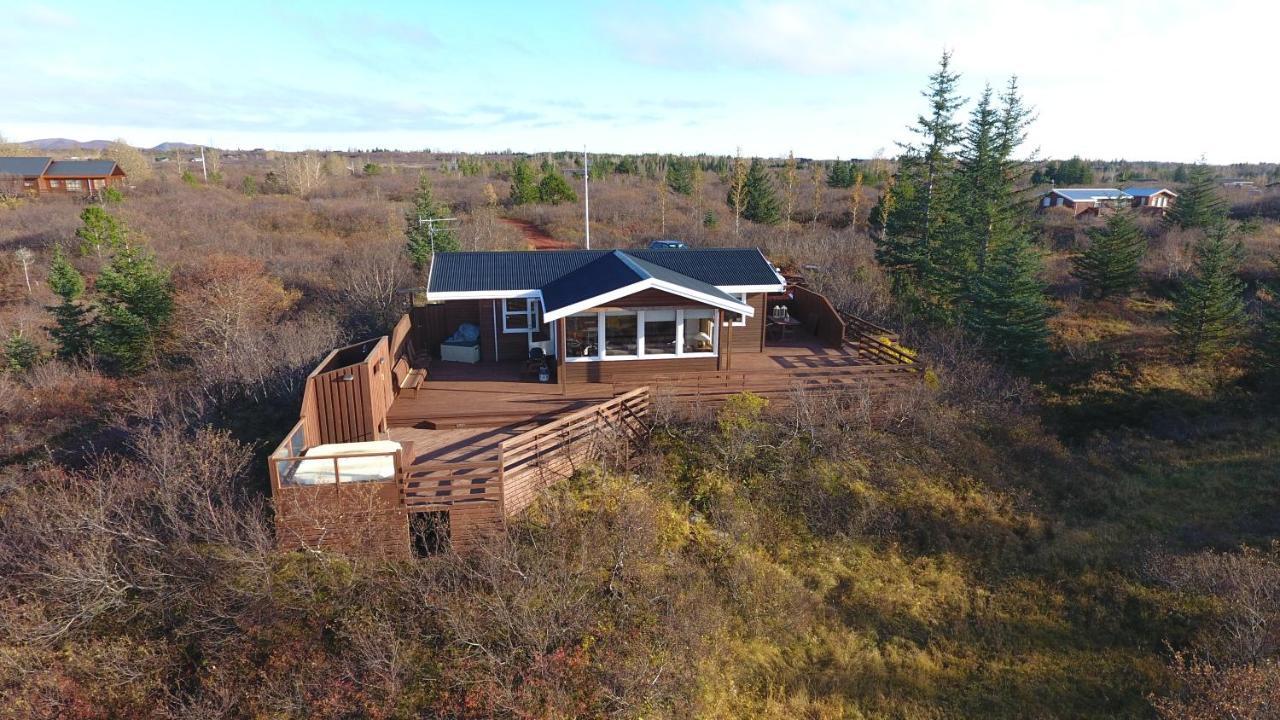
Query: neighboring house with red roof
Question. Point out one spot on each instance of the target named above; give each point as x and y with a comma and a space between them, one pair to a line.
46, 176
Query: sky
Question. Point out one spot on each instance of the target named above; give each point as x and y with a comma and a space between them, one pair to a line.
1173, 80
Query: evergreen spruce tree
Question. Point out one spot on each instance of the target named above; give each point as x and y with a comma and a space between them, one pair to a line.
524, 188
70, 331
1198, 204
422, 238
759, 201
989, 208
680, 175
1209, 311
135, 305
554, 189
1007, 310
18, 353
924, 191
100, 232
1109, 266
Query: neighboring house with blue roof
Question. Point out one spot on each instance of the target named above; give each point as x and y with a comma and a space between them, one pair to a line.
46, 176
605, 315
1094, 201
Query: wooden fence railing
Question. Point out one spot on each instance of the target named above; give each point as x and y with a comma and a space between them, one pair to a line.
530, 461
535, 459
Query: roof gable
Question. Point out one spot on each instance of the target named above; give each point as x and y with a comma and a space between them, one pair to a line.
618, 274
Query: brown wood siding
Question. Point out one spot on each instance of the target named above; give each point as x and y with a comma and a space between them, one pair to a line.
355, 409
750, 337
511, 346
819, 317
436, 322
650, 299
625, 371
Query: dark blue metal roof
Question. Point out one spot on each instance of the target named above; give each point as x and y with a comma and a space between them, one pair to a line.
534, 269
80, 168
614, 270
24, 166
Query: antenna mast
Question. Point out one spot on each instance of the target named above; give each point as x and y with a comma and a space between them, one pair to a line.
586, 194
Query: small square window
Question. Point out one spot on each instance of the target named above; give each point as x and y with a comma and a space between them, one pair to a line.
520, 315
737, 319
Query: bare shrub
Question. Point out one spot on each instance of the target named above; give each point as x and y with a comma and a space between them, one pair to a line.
370, 284
303, 172
1210, 692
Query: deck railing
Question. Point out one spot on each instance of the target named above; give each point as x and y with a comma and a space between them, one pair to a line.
531, 460
535, 459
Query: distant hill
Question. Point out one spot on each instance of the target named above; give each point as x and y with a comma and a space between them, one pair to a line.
62, 144
170, 146
66, 144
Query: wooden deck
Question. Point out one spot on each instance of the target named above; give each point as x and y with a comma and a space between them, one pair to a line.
489, 394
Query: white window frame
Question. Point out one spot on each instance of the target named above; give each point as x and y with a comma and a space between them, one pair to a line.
742, 319
74, 184
601, 340
531, 312
55, 183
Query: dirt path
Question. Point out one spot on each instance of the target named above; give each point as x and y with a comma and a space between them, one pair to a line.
538, 238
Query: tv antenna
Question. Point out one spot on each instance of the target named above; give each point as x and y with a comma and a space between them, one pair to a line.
431, 229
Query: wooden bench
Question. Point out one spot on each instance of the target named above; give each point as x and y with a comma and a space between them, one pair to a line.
408, 379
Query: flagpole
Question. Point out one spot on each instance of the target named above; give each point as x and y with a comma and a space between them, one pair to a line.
586, 194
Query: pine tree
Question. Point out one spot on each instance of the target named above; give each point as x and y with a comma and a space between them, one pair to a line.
924, 190
1007, 309
135, 305
1109, 266
680, 175
1209, 311
524, 188
988, 209
1198, 205
554, 189
423, 237
18, 353
70, 331
759, 202
99, 232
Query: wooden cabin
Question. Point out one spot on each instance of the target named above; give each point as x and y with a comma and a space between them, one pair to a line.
522, 367
46, 176
604, 315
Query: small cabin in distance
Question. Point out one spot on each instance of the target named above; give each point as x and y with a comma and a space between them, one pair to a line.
1096, 201
36, 176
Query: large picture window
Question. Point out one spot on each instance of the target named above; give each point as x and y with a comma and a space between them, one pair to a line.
621, 335
635, 334
580, 333
699, 331
659, 332
520, 315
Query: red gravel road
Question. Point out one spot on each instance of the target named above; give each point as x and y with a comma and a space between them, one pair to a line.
538, 238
